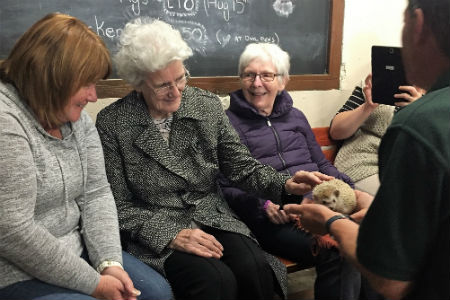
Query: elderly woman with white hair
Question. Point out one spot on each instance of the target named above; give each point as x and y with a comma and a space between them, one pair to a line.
279, 135
165, 144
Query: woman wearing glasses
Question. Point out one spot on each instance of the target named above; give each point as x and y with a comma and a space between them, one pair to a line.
279, 135
165, 144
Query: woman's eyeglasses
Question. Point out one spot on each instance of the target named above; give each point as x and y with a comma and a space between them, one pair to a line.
266, 77
179, 83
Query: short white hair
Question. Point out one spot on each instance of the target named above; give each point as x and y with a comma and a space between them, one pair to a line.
269, 52
147, 45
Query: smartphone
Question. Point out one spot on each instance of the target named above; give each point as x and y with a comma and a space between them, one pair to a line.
387, 74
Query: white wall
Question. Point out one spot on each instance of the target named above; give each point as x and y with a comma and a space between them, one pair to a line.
366, 23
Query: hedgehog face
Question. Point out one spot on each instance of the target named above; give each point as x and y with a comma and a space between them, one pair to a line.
328, 199
330, 202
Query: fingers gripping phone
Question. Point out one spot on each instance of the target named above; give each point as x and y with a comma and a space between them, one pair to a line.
387, 74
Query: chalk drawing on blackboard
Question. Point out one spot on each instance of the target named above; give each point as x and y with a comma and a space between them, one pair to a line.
283, 8
222, 39
216, 30
194, 33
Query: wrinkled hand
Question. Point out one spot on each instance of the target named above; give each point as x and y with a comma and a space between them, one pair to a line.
363, 202
312, 216
130, 293
197, 242
303, 182
411, 94
109, 288
367, 90
276, 215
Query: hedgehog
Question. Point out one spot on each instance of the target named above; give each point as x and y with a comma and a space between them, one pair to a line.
336, 195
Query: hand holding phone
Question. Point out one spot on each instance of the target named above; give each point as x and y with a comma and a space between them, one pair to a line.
408, 94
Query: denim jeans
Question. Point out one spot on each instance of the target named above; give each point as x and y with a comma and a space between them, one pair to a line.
151, 284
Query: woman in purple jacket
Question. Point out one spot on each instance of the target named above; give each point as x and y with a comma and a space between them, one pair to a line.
279, 135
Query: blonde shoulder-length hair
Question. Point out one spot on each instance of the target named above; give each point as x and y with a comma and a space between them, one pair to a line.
51, 61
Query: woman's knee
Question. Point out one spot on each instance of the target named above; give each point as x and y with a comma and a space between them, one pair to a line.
260, 285
257, 264
194, 277
248, 259
151, 284
219, 281
157, 290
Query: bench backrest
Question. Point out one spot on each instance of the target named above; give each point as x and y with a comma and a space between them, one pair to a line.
329, 147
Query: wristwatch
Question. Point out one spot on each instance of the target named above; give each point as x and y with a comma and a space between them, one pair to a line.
332, 219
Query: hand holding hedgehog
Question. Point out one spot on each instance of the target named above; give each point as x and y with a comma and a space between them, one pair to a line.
336, 195
347, 201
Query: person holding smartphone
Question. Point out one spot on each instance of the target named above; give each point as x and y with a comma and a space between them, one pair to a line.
360, 124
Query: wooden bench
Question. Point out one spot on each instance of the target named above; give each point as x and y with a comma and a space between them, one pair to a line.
329, 149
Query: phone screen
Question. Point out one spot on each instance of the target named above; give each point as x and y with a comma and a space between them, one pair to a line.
387, 74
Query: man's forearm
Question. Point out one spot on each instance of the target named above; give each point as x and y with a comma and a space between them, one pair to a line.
346, 234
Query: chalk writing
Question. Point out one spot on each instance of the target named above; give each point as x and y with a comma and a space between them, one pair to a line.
181, 8
106, 31
224, 38
237, 6
216, 30
135, 6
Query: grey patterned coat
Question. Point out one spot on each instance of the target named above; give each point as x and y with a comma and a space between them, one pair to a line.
160, 189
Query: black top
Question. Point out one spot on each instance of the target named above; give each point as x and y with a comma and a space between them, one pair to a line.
406, 232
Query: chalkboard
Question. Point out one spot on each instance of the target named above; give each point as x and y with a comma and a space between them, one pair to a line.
217, 30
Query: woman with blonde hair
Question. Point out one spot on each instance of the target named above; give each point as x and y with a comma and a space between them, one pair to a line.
59, 235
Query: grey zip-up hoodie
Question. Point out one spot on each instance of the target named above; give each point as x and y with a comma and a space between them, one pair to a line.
55, 200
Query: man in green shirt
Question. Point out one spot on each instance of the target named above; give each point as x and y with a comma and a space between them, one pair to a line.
403, 243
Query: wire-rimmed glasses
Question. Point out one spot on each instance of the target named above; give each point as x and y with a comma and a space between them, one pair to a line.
179, 83
266, 77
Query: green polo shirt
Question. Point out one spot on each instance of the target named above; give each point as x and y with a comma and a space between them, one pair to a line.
406, 232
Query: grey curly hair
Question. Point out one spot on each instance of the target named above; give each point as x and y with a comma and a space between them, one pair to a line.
148, 45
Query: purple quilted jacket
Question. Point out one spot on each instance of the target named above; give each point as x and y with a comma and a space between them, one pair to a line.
283, 140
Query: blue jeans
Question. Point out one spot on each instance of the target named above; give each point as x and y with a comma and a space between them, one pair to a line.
151, 284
